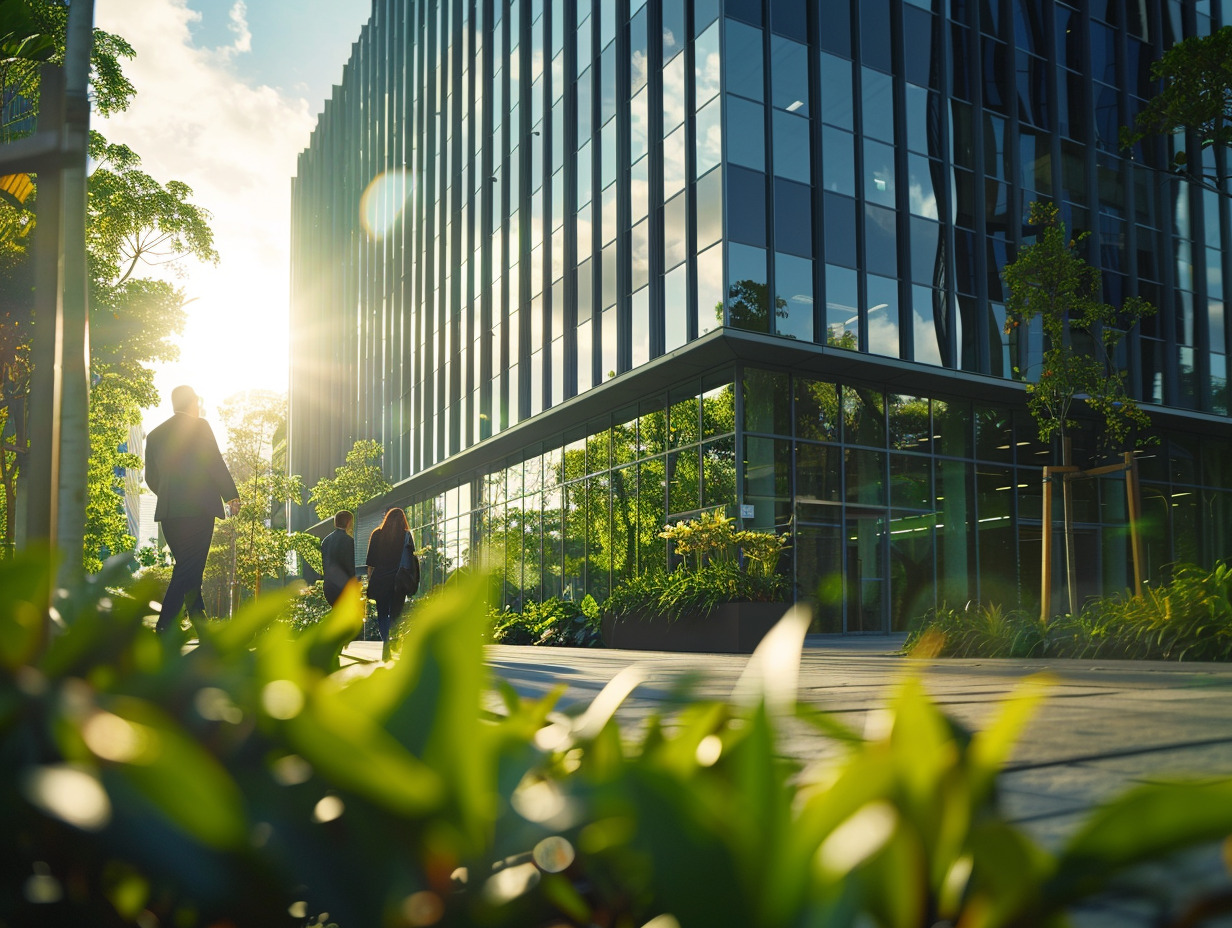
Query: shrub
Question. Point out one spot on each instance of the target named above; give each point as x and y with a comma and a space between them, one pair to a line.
692, 591
555, 622
245, 782
1187, 618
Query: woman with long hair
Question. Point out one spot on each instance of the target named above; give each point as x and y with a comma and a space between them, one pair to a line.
384, 555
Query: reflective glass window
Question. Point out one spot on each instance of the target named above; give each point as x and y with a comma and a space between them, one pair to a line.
704, 13
838, 164
674, 242
673, 163
879, 173
709, 201
607, 170
709, 289
639, 125
793, 285
922, 200
836, 92
609, 277
709, 137
792, 147
583, 107
640, 305
585, 292
608, 199
639, 192
746, 206
747, 290
880, 241
744, 60
875, 33
790, 18
927, 257
877, 92
608, 347
673, 94
817, 412
836, 37
585, 231
767, 401
748, 10
637, 51
584, 42
919, 114
746, 136
675, 308
923, 47
928, 310
640, 254
840, 229
707, 69
842, 307
673, 28
882, 301
789, 84
793, 218
607, 82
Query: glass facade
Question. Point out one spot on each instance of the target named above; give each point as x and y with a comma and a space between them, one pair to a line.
528, 231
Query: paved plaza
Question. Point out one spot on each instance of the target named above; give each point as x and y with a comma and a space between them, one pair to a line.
1106, 725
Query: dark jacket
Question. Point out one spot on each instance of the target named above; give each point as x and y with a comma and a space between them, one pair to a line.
337, 561
185, 469
384, 556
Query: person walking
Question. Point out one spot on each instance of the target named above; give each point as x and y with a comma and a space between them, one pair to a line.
385, 546
338, 556
185, 470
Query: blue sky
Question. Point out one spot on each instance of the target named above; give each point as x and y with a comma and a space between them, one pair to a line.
298, 46
228, 93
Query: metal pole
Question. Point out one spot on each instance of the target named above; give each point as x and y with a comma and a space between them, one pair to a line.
1135, 517
42, 466
75, 399
1046, 549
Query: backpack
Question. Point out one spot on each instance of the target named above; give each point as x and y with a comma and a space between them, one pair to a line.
406, 580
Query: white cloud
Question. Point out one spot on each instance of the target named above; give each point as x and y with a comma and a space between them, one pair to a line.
236, 145
239, 25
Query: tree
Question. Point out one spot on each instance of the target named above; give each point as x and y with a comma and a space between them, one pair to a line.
355, 482
132, 220
1050, 281
253, 547
1196, 97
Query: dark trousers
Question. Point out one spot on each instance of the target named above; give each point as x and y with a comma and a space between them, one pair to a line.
189, 540
388, 610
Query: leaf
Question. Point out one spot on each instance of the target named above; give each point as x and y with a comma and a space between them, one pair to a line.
772, 674
1144, 824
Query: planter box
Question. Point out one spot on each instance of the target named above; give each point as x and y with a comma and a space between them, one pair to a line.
732, 628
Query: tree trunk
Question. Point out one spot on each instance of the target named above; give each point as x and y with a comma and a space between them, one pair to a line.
1067, 496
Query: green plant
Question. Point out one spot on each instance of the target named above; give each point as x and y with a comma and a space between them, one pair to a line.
692, 591
1187, 618
248, 782
555, 622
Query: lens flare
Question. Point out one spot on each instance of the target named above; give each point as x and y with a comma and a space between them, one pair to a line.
382, 204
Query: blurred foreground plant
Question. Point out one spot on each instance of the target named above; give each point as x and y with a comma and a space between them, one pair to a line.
248, 782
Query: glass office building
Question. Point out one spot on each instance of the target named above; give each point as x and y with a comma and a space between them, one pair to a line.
586, 267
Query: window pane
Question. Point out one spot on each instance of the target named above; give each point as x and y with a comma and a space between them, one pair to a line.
842, 307
710, 208
747, 290
709, 289
791, 147
744, 60
840, 226
746, 134
639, 125
879, 173
882, 316
880, 241
673, 28
793, 279
878, 109
673, 95
709, 137
922, 198
673, 163
816, 409
836, 92
838, 166
789, 76
707, 65
675, 308
674, 231
793, 218
746, 206
641, 326
927, 307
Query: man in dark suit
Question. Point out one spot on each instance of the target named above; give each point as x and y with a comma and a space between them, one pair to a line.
185, 469
338, 556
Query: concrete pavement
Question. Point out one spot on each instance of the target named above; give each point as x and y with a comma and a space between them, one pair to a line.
1105, 726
